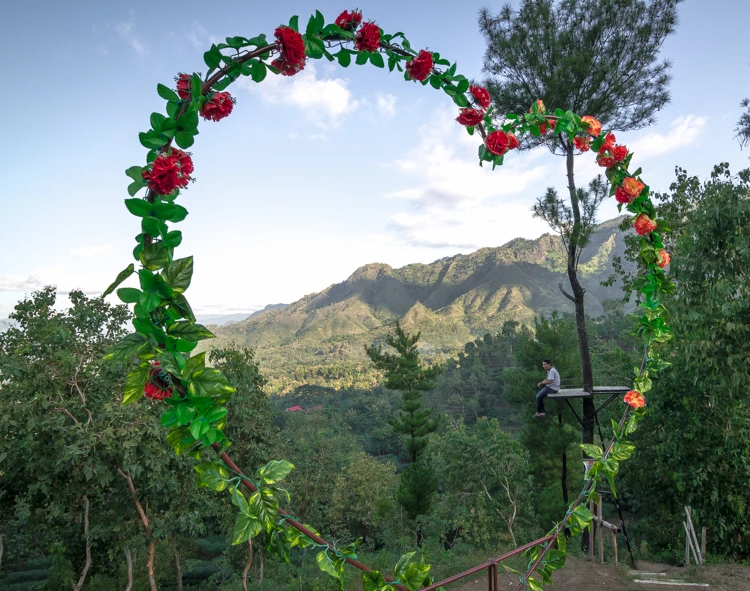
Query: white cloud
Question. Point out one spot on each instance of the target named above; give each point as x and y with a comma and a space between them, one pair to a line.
126, 31
200, 38
29, 283
386, 104
324, 100
683, 131
91, 252
457, 203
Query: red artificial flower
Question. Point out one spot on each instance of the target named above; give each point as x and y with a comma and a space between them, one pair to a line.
481, 95
606, 161
609, 143
512, 142
635, 399
183, 85
497, 142
420, 67
664, 258
368, 38
593, 126
644, 225
620, 153
169, 171
349, 20
470, 117
291, 51
539, 107
632, 186
543, 128
581, 143
622, 196
218, 106
159, 385
552, 123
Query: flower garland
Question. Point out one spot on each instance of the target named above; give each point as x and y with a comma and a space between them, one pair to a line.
165, 327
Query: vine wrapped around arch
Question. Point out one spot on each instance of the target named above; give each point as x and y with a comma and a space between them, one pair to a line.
166, 331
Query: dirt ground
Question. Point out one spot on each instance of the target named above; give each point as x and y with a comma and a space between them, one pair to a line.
582, 575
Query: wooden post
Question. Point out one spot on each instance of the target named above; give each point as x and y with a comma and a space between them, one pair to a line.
614, 544
703, 540
687, 545
599, 535
591, 530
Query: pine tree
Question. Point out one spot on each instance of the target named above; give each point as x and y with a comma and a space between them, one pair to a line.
406, 373
594, 57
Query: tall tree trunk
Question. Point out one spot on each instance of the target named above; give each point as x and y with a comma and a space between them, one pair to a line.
248, 564
2, 548
578, 293
587, 435
87, 566
129, 560
178, 567
146, 528
564, 471
150, 566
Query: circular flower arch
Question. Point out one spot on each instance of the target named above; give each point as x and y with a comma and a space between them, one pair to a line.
166, 331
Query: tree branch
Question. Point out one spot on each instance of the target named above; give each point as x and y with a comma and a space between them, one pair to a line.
87, 566
565, 293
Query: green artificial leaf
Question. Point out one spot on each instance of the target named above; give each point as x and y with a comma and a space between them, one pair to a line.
135, 186
212, 57
189, 331
154, 256
414, 575
168, 418
403, 563
178, 274
376, 59
373, 581
193, 364
361, 58
135, 383
294, 23
180, 439
184, 139
199, 427
139, 207
130, 346
212, 475
184, 413
333, 567
209, 382
181, 305
344, 58
622, 450
149, 301
593, 451
121, 276
274, 471
129, 295
246, 527
215, 414
167, 93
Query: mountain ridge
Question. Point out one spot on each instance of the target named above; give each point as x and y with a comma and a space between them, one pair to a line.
320, 338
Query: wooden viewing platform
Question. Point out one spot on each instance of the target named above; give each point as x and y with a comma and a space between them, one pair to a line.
564, 393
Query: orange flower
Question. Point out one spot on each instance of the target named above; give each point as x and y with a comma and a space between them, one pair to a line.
592, 125
622, 196
512, 142
635, 399
539, 107
609, 143
644, 225
663, 258
581, 143
632, 187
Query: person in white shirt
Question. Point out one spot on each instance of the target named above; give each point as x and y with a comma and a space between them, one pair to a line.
550, 385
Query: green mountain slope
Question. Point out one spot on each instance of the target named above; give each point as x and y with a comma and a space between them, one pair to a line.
320, 339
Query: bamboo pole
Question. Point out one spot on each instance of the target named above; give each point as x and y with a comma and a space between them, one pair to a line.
693, 537
591, 531
690, 543
703, 540
599, 535
687, 545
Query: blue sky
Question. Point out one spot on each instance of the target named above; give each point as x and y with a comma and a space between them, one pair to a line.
311, 176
